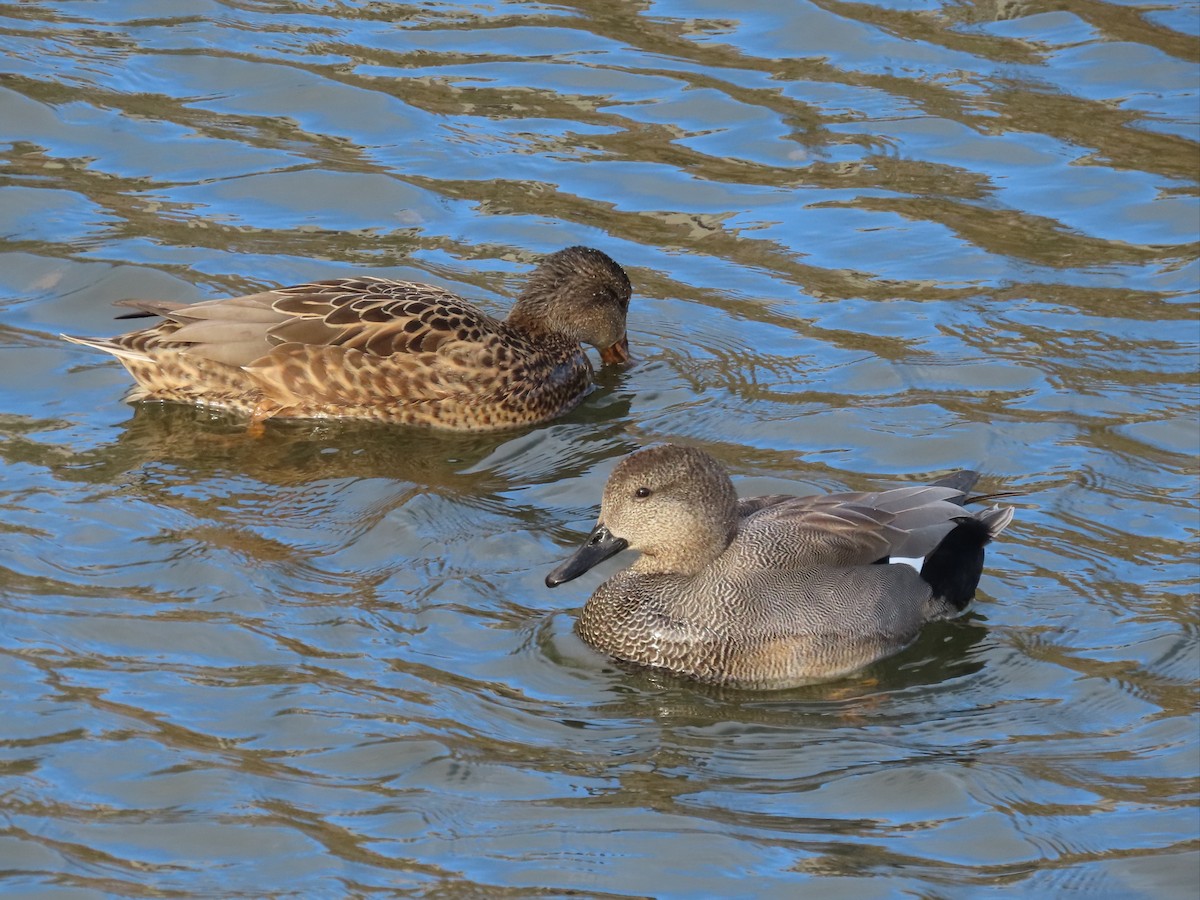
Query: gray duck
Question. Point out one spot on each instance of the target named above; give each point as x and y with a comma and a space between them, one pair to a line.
776, 591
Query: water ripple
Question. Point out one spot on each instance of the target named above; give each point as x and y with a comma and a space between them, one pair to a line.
870, 243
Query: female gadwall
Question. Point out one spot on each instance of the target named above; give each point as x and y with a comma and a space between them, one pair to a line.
391, 351
771, 592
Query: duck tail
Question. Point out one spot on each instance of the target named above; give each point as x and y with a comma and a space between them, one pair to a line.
952, 570
144, 309
113, 346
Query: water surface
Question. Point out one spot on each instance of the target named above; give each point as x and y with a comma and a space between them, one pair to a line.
870, 243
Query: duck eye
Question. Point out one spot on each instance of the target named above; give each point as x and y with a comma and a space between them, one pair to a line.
642, 493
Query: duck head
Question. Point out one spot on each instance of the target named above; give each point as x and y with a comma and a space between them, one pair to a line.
581, 293
674, 504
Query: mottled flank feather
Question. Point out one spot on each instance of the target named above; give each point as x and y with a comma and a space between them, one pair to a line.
771, 592
390, 351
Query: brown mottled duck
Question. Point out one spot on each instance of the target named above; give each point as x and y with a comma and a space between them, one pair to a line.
389, 351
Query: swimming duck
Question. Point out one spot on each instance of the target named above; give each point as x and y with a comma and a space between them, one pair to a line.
391, 351
771, 592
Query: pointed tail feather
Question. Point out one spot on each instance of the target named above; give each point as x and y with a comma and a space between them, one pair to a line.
108, 346
147, 308
965, 479
962, 480
996, 518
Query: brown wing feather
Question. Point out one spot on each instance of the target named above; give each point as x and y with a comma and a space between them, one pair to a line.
376, 316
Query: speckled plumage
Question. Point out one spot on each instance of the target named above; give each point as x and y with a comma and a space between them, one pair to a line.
390, 351
771, 592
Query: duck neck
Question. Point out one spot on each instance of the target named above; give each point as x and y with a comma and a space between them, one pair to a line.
686, 559
534, 314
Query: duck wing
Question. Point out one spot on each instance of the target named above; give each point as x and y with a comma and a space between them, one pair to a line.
849, 529
342, 340
377, 316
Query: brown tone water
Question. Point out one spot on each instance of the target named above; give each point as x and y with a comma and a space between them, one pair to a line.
869, 242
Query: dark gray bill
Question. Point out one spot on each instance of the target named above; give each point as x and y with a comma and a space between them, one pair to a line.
599, 546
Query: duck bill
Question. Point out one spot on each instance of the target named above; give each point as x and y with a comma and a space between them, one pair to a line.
599, 546
617, 354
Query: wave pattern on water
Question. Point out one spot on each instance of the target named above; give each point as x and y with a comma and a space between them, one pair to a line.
870, 242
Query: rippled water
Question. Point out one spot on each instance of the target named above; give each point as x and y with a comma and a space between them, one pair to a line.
869, 243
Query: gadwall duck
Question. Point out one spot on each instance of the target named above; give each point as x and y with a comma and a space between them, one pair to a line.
390, 351
771, 592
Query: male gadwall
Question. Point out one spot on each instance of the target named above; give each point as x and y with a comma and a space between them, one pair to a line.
390, 351
771, 592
